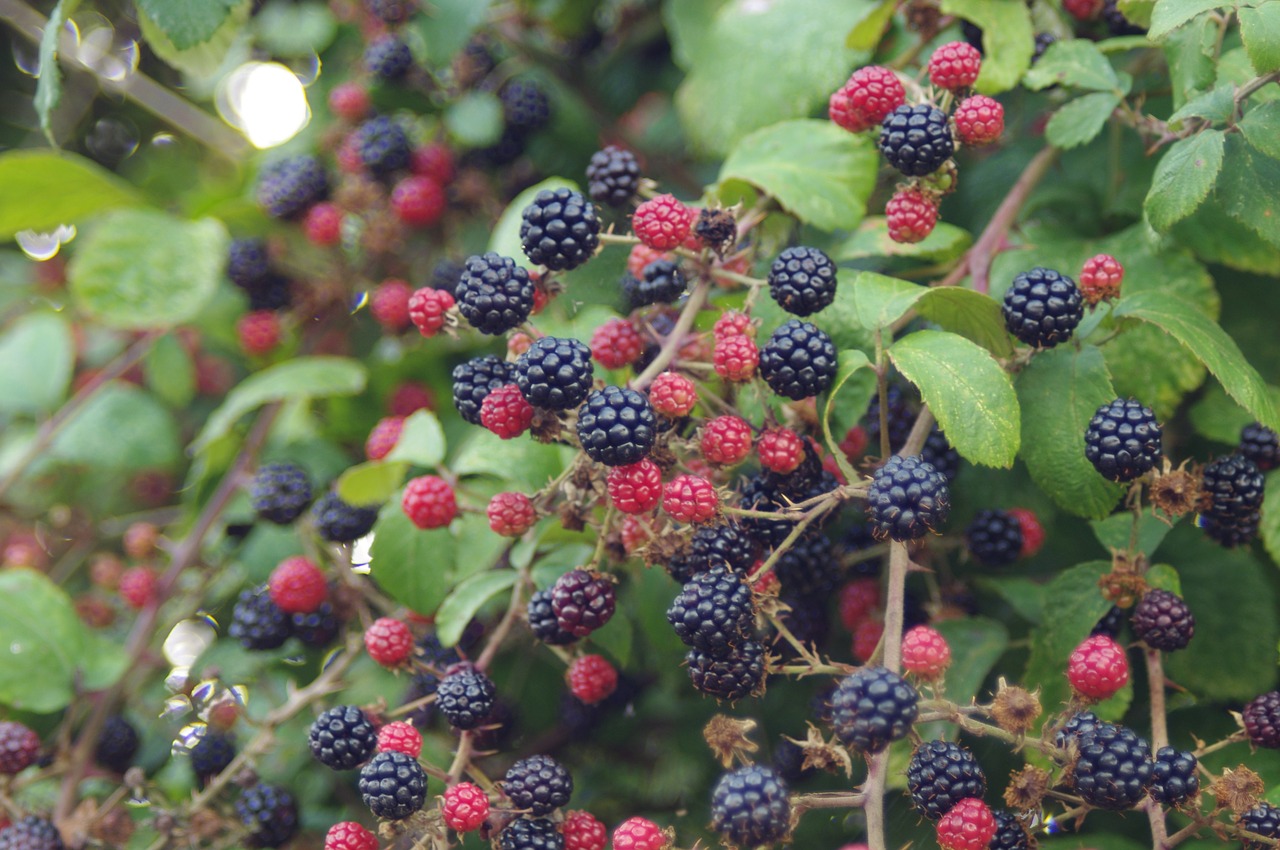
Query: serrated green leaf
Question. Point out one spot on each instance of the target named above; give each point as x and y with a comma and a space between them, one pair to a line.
1260, 30
49, 85
1215, 237
1025, 596
421, 440
1269, 526
523, 464
976, 645
1214, 106
818, 171
839, 320
1077, 605
1081, 120
969, 394
1202, 336
37, 354
868, 31
1137, 12
466, 599
196, 44
1168, 15
1007, 37
881, 300
1261, 127
1191, 53
413, 566
1216, 416
1059, 390
974, 315
849, 364
1163, 577
1183, 178
871, 239
1073, 62
615, 638
44, 189
448, 26
121, 428
188, 23
169, 371
1115, 532
689, 24
1249, 187
372, 482
297, 379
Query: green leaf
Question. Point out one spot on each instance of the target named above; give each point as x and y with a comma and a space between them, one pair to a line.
49, 86
689, 24
1260, 30
474, 120
1249, 187
421, 440
1269, 527
615, 639
188, 23
1261, 127
1076, 605
839, 320
790, 56
287, 28
1168, 15
1007, 37
881, 300
968, 392
169, 371
818, 171
1192, 56
143, 269
413, 566
448, 25
468, 598
1163, 577
45, 645
1114, 532
1202, 336
868, 31
1214, 106
522, 464
1138, 12
44, 189
1024, 596
1080, 121
1215, 237
505, 238
121, 428
37, 354
1074, 62
1059, 391
1183, 178
976, 645
1220, 419
196, 44
372, 482
849, 363
974, 315
946, 242
293, 380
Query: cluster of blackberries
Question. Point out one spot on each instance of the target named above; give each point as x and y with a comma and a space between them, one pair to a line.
249, 268
714, 616
260, 624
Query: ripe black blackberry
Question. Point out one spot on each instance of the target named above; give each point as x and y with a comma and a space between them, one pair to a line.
317, 629
388, 58
583, 601
1113, 766
940, 454
737, 675
269, 813
280, 492
972, 34
1010, 834
1263, 819
717, 229
802, 280
1262, 720
465, 698
274, 293
287, 187
342, 738
941, 774
390, 11
543, 622
531, 834
248, 263
31, 833
760, 494
494, 293
1122, 440
994, 538
798, 361
559, 229
907, 498
555, 373
806, 619
257, 622
750, 806
118, 743
916, 140
445, 275
382, 145
616, 426
872, 708
726, 544
539, 784
340, 522
1080, 722
1173, 777
211, 755
1042, 307
1110, 624
613, 176
506, 150
1231, 495
788, 761
661, 282
525, 106
1261, 445
808, 570
474, 380
713, 612
1163, 621
393, 785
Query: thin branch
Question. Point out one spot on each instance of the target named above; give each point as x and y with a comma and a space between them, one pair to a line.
508, 620
671, 346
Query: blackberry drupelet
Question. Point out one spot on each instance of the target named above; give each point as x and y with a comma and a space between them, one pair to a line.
1041, 44
317, 629
899, 415
907, 498
211, 754
543, 622
616, 426
388, 58
445, 276
1113, 766
788, 761
390, 11
1163, 621
1042, 307
273, 293
661, 282
559, 229
1231, 491
248, 263
342, 738
613, 176
1110, 624
916, 140
1122, 440
538, 783
583, 601
808, 569
339, 522
872, 708
280, 492
713, 612
802, 280
940, 454
383, 145
726, 544
118, 743
525, 833
465, 698
393, 785
798, 361
1080, 722
494, 294
1173, 777
525, 106
555, 373
31, 833
1262, 720
287, 187
941, 774
737, 675
474, 380
994, 538
1010, 834
257, 622
1263, 819
750, 806
269, 813
1261, 445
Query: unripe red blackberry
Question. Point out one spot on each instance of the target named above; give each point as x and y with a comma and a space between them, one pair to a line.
349, 835
690, 498
735, 357
582, 831
383, 437
979, 120
19, 746
465, 807
429, 502
969, 825
506, 413
298, 586
780, 450
428, 310
866, 99
925, 652
616, 344
388, 641
726, 440
955, 65
635, 488
1100, 278
663, 222
418, 201
910, 215
511, 514
1098, 667
401, 737
673, 395
639, 834
591, 679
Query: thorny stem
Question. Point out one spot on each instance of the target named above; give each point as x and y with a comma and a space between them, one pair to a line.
463, 757
1234, 738
827, 800
675, 339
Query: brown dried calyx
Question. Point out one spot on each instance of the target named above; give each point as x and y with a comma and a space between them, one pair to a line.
1026, 788
729, 738
1176, 491
1237, 790
819, 754
1124, 585
1015, 709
